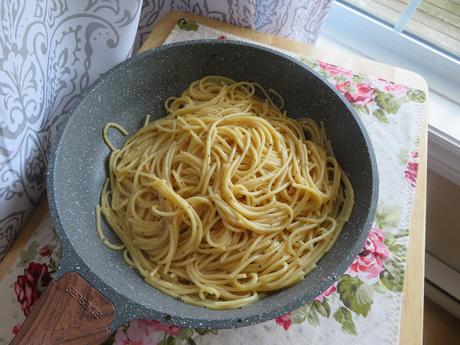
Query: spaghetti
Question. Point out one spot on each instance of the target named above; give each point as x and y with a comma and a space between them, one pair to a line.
225, 198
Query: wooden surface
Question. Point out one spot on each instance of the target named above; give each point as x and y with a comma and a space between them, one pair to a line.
412, 306
411, 332
71, 312
23, 237
413, 290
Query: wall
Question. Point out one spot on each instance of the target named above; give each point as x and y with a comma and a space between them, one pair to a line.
442, 270
443, 220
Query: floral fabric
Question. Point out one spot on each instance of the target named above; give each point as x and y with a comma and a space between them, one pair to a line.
362, 307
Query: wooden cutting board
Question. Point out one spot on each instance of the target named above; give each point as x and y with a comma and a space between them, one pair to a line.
412, 307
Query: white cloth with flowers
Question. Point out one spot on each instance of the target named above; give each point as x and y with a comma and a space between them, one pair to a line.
362, 307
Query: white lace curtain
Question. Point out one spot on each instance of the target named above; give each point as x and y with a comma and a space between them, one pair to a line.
51, 50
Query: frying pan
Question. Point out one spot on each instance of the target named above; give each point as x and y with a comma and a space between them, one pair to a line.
96, 291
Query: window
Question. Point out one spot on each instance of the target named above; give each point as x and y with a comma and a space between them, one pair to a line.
434, 21
438, 21
381, 9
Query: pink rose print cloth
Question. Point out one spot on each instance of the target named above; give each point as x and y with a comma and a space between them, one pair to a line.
411, 169
369, 262
31, 284
357, 94
284, 320
144, 332
334, 70
362, 307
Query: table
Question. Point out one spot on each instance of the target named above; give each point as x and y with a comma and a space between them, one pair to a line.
413, 291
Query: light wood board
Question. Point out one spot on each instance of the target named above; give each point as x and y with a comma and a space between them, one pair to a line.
412, 306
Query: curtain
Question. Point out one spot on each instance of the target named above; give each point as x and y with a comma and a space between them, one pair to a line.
52, 50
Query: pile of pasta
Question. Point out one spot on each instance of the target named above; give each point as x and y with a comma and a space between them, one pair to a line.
226, 198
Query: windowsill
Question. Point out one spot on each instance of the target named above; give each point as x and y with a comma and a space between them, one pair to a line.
443, 122
444, 115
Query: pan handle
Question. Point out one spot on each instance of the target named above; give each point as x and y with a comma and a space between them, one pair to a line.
71, 312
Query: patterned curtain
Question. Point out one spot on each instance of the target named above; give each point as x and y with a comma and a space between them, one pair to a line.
51, 50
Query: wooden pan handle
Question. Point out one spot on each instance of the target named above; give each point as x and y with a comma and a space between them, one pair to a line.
71, 312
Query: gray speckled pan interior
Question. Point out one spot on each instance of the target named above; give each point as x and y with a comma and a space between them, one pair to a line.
139, 86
